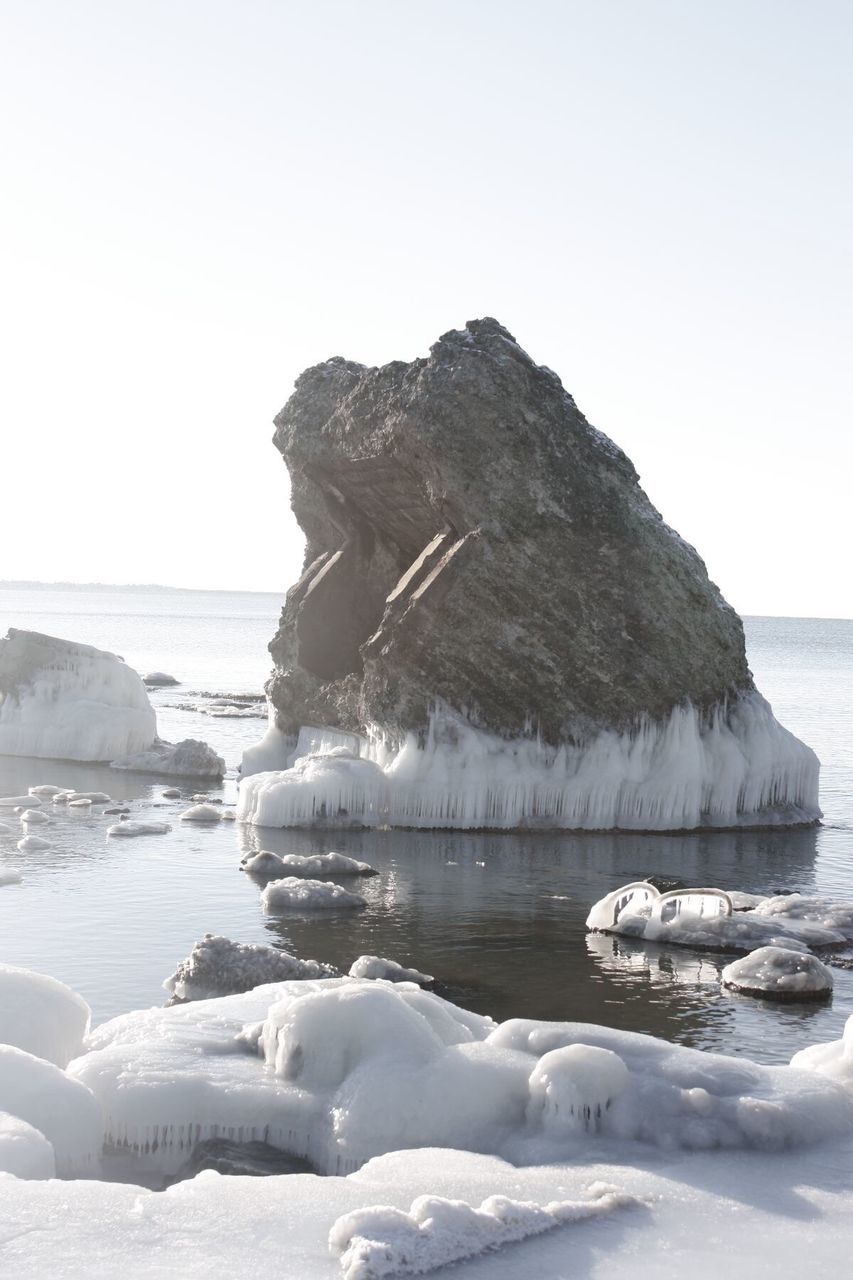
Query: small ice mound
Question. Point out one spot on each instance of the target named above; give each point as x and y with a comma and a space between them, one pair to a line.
62, 1108
19, 802
94, 797
187, 759
171, 793
41, 1015
80, 802
139, 829
201, 813
778, 973
216, 966
8, 875
31, 844
34, 817
381, 1241
263, 863
317, 865
834, 1060
572, 1088
377, 967
295, 894
47, 790
159, 680
24, 1151
61, 797
229, 815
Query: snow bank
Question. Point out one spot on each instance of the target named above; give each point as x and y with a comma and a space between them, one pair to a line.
188, 759
61, 1108
217, 966
24, 1151
131, 828
383, 1241
41, 1015
734, 767
388, 971
69, 701
779, 973
294, 893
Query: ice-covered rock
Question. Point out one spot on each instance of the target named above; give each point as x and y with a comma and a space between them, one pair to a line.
33, 844
263, 863
217, 966
572, 1088
24, 1151
79, 802
41, 1015
8, 875
201, 813
779, 973
93, 797
19, 802
34, 817
188, 759
159, 680
69, 701
313, 866
833, 1060
55, 1104
46, 790
382, 1241
492, 602
132, 828
387, 971
296, 894
171, 793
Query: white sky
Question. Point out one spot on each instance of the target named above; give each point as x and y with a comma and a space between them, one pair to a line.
202, 197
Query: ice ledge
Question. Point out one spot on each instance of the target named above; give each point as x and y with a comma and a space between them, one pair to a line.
734, 767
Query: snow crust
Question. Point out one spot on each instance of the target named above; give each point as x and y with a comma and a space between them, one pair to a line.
779, 972
388, 971
737, 766
216, 966
41, 1015
296, 893
69, 701
59, 1107
138, 828
383, 1241
188, 759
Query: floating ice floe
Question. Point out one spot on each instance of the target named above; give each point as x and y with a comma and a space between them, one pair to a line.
296, 894
217, 966
188, 759
33, 844
388, 971
311, 867
263, 863
201, 813
382, 1241
132, 828
704, 918
41, 1015
735, 767
779, 973
55, 1104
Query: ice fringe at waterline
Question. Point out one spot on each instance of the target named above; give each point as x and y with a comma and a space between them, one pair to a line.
736, 766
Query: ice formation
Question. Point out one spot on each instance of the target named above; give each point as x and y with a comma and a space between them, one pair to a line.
8, 875
217, 966
833, 1060
31, 844
704, 919
311, 867
388, 971
69, 701
779, 973
263, 863
24, 1151
55, 1104
201, 813
159, 680
34, 817
296, 894
382, 1241
132, 828
79, 802
19, 802
41, 1015
188, 759
736, 768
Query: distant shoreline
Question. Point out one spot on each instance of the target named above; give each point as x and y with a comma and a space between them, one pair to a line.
150, 587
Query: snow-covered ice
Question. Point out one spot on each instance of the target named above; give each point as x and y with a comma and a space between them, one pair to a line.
24, 1151
202, 813
8, 875
34, 817
188, 759
80, 802
311, 867
19, 802
388, 971
60, 1107
217, 966
32, 844
132, 828
296, 894
834, 1060
736, 766
41, 1015
780, 973
263, 863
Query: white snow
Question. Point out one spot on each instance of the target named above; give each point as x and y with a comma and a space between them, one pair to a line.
32, 844
23, 1150
41, 1015
383, 1241
132, 828
263, 863
780, 972
833, 1060
571, 1088
217, 966
34, 817
188, 759
736, 766
202, 813
60, 1107
296, 894
311, 867
69, 701
387, 970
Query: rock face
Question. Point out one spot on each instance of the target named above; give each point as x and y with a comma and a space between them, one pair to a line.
474, 545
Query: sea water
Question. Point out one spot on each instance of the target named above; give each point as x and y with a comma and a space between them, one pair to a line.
498, 919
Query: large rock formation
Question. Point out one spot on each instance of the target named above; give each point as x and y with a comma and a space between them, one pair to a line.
480, 558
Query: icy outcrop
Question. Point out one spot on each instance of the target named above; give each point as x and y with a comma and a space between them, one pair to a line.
33, 844
188, 759
388, 971
159, 680
779, 973
313, 866
202, 812
296, 894
41, 1015
217, 966
493, 613
131, 828
69, 701
55, 1104
381, 1241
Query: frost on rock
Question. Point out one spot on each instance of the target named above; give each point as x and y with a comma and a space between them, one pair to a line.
131, 828
217, 966
296, 894
41, 1015
60, 1107
779, 973
69, 701
382, 1241
202, 813
387, 971
188, 759
736, 768
24, 1151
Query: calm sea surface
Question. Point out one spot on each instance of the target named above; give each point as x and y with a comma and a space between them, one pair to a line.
498, 919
